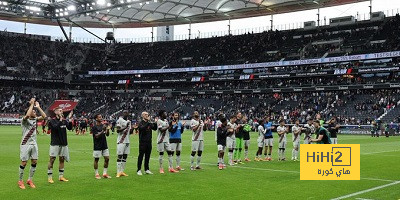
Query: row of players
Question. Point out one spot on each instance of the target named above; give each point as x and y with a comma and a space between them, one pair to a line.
230, 134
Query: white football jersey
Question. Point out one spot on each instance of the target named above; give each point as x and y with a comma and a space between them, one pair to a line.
233, 126
123, 137
197, 135
261, 132
217, 124
296, 128
280, 129
28, 131
162, 136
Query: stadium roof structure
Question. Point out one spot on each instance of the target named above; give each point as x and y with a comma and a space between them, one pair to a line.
148, 13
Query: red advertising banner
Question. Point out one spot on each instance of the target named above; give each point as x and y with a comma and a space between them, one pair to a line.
9, 115
66, 105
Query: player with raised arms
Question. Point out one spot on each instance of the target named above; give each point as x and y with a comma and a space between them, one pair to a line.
29, 147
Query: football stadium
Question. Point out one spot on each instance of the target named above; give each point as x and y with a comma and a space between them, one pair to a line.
200, 99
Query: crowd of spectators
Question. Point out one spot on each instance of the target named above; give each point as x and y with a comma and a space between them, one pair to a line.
26, 57
22, 56
349, 106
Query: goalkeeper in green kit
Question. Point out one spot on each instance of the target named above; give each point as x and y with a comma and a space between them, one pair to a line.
240, 121
246, 138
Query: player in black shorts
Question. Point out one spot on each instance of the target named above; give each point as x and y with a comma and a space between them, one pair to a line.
99, 132
83, 126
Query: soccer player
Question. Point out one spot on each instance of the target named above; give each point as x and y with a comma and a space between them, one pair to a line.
99, 132
282, 131
83, 126
246, 139
123, 125
176, 129
260, 140
296, 131
269, 139
76, 124
309, 130
333, 129
230, 139
59, 143
113, 123
319, 118
198, 127
222, 132
47, 124
44, 126
374, 129
239, 138
386, 128
29, 147
163, 141
322, 134
218, 124
145, 127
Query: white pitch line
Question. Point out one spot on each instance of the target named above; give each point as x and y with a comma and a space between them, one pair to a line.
367, 190
278, 170
378, 179
378, 152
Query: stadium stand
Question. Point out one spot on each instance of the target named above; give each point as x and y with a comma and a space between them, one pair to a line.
59, 70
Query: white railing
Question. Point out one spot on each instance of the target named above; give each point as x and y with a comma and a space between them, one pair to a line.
290, 26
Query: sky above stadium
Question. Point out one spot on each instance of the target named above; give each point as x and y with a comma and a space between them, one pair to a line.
281, 21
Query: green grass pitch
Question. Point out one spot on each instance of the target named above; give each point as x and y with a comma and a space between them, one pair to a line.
380, 166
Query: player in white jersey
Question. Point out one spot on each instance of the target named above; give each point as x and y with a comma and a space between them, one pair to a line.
29, 147
309, 129
163, 141
198, 127
296, 131
124, 130
218, 124
231, 139
260, 140
282, 131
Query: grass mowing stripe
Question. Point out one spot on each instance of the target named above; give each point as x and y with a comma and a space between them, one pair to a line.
282, 178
